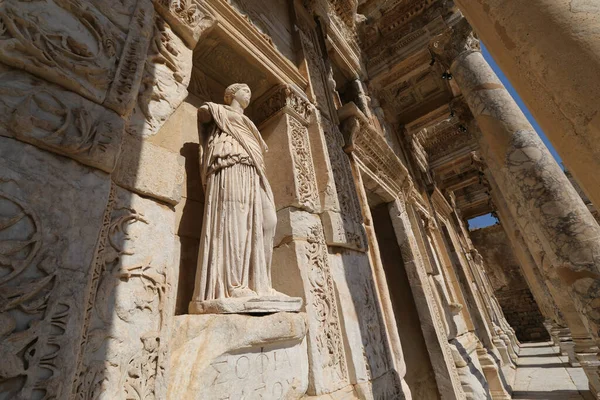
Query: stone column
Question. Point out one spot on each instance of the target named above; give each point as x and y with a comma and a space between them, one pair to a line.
573, 341
550, 51
536, 188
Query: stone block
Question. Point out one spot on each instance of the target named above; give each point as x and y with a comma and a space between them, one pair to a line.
49, 117
52, 212
290, 170
293, 223
368, 348
301, 268
102, 61
238, 356
342, 231
129, 324
150, 170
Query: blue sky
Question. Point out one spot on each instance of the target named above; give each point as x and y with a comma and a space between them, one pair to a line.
486, 220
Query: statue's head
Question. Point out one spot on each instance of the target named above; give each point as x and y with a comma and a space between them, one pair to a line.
239, 92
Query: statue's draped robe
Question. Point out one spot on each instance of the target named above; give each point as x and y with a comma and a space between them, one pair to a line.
236, 244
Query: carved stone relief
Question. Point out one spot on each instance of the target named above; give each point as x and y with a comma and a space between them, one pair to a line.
125, 346
51, 213
58, 120
344, 228
167, 73
78, 47
301, 253
190, 18
304, 170
324, 307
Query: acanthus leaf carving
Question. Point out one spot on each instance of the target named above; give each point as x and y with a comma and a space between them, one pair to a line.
125, 349
284, 98
324, 306
189, 18
306, 179
33, 319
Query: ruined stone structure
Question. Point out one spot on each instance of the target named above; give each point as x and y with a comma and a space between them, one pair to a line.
386, 131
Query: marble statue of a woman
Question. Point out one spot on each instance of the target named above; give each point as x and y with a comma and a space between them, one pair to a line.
236, 244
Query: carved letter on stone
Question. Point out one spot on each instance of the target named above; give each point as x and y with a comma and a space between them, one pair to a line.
236, 244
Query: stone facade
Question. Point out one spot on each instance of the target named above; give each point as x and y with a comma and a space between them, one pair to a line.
386, 131
509, 284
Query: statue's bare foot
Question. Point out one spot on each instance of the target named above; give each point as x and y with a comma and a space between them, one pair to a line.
243, 292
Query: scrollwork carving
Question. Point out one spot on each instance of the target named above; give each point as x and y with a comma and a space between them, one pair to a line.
42, 114
303, 166
188, 18
284, 98
323, 302
125, 350
33, 321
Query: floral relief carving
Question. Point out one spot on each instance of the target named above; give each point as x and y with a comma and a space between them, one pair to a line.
189, 18
125, 357
44, 115
286, 98
323, 302
164, 84
35, 40
33, 320
305, 174
77, 46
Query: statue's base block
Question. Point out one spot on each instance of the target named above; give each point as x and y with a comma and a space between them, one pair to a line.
247, 305
235, 356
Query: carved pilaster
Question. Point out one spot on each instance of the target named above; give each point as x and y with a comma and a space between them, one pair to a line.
287, 109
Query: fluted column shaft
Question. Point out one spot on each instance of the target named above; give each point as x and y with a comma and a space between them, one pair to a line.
535, 187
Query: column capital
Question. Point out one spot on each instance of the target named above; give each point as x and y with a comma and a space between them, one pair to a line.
283, 98
456, 40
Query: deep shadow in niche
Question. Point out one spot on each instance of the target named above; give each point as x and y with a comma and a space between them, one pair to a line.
420, 376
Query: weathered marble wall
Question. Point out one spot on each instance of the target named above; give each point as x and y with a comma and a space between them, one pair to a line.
510, 287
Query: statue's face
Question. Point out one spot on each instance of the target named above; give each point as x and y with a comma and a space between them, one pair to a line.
243, 96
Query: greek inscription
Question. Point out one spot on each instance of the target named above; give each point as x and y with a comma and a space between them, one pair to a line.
242, 367
263, 374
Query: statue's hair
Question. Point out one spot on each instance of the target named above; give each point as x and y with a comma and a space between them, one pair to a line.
231, 91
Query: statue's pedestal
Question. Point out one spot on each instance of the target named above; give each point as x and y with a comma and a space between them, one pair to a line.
247, 305
217, 356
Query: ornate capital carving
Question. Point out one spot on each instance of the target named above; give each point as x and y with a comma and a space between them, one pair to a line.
283, 98
188, 18
456, 40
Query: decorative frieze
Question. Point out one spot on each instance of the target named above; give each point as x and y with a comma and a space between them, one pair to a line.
58, 120
346, 227
51, 214
305, 177
79, 47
